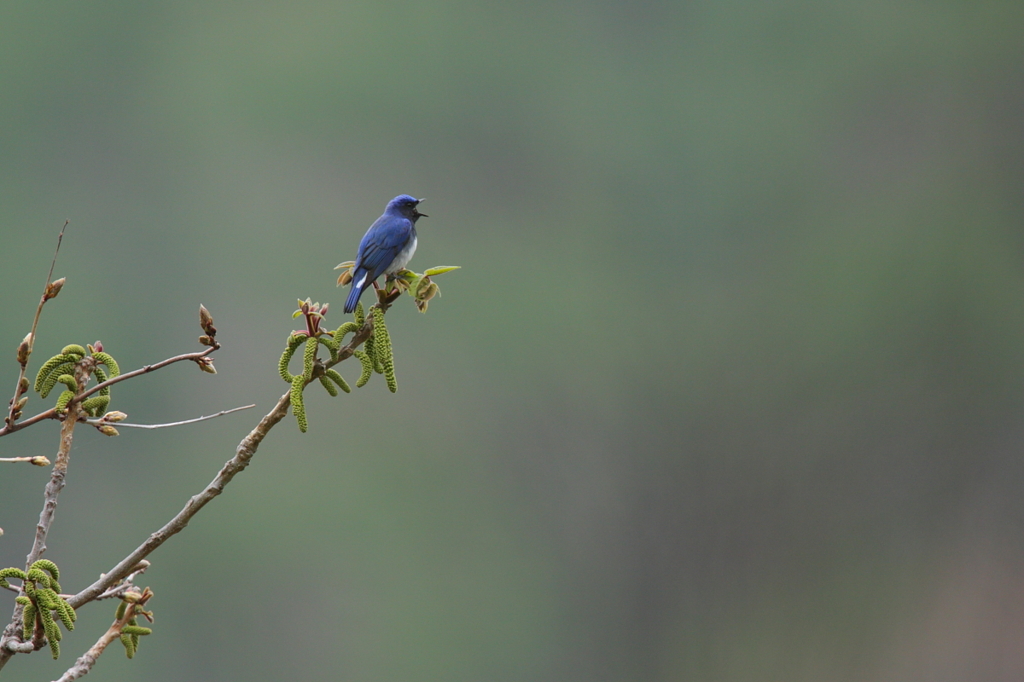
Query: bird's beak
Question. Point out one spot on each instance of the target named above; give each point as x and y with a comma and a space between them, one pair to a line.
421, 215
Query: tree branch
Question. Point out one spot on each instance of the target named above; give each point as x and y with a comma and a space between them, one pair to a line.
100, 422
52, 413
87, 660
243, 454
11, 643
30, 340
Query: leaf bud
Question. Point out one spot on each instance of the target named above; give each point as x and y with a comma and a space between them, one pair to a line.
53, 288
108, 430
25, 349
428, 292
114, 416
206, 364
40, 461
206, 321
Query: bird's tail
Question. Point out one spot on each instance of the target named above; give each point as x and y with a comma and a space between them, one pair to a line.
358, 285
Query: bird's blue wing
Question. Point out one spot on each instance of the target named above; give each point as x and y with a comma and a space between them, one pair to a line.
381, 243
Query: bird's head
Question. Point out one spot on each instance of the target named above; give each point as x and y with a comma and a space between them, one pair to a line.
405, 205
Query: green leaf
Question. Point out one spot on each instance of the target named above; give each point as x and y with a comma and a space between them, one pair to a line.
441, 269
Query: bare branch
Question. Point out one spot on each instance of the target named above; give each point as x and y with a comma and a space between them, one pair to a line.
30, 340
87, 660
11, 643
143, 370
38, 460
243, 454
11, 635
126, 585
52, 413
95, 422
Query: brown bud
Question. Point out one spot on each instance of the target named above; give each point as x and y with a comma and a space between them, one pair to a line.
40, 461
206, 364
114, 416
97, 347
23, 385
53, 288
206, 321
428, 292
344, 278
108, 430
205, 340
25, 349
21, 403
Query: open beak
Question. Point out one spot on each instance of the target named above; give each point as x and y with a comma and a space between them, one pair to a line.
418, 214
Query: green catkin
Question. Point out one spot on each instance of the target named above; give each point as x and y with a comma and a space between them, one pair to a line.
62, 402
28, 620
96, 405
382, 349
10, 573
309, 357
37, 575
51, 630
359, 315
73, 349
298, 383
137, 630
368, 346
68, 381
66, 613
133, 623
293, 343
367, 367
101, 376
50, 381
338, 379
129, 646
328, 386
105, 359
339, 333
49, 367
49, 567
331, 344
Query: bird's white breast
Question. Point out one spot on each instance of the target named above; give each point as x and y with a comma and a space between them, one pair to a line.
403, 257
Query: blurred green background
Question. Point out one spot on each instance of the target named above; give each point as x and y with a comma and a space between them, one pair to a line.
729, 387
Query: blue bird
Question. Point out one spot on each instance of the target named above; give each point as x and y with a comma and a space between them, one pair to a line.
386, 247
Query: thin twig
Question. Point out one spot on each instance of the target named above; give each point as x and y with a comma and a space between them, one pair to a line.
50, 494
32, 334
95, 422
10, 641
38, 460
125, 585
87, 660
52, 413
243, 454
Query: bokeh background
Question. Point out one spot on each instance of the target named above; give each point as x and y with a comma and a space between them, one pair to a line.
730, 386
